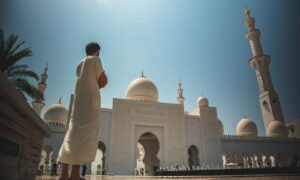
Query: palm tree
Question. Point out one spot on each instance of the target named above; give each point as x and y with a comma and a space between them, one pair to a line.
18, 74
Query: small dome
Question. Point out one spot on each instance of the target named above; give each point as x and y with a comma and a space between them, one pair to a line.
277, 129
246, 127
142, 89
220, 127
56, 115
202, 101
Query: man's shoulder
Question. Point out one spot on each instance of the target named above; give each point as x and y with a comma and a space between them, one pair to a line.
89, 61
92, 58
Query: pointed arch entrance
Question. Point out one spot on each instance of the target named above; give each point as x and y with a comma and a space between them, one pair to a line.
193, 156
148, 148
98, 166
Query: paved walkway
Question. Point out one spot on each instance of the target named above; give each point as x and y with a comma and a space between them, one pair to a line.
252, 177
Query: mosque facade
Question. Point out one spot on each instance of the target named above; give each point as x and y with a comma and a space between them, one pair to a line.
140, 132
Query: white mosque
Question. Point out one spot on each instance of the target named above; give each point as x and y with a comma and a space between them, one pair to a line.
139, 131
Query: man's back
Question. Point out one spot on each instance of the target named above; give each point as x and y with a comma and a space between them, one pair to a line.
83, 132
88, 72
87, 86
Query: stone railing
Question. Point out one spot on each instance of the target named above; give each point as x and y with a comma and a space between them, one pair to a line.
259, 138
21, 134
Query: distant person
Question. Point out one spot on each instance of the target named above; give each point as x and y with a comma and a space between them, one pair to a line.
83, 170
54, 169
142, 172
81, 140
42, 169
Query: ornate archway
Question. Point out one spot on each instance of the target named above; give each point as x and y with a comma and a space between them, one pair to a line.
98, 166
193, 156
150, 146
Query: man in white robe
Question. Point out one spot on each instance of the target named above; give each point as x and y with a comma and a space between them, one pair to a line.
82, 137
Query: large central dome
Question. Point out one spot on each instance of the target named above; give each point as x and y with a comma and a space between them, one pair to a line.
142, 89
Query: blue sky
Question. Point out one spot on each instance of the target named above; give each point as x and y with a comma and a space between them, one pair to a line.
202, 42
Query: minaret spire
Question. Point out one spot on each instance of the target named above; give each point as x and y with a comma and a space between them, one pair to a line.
38, 103
268, 99
247, 11
142, 74
180, 98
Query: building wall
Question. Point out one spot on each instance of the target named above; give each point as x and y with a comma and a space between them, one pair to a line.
54, 142
105, 132
123, 125
21, 134
130, 119
210, 138
193, 133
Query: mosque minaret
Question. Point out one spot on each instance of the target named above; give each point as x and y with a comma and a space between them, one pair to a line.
268, 99
180, 98
38, 104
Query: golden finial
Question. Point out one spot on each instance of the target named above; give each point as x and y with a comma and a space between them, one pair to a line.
142, 74
247, 11
59, 101
179, 84
180, 92
46, 68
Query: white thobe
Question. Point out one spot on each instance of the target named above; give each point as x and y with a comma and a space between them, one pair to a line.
81, 140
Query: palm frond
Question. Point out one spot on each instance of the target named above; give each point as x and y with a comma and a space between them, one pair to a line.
10, 42
22, 73
23, 85
17, 47
15, 67
12, 59
9, 54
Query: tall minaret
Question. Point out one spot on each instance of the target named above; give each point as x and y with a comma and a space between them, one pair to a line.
180, 98
268, 99
38, 103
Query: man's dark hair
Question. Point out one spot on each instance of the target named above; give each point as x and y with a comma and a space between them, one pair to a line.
91, 48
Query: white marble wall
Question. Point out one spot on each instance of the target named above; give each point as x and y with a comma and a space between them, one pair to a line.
130, 119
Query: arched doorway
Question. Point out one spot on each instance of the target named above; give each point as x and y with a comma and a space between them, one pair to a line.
272, 161
47, 152
42, 163
148, 143
254, 159
225, 158
193, 156
236, 158
98, 166
245, 160
264, 160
